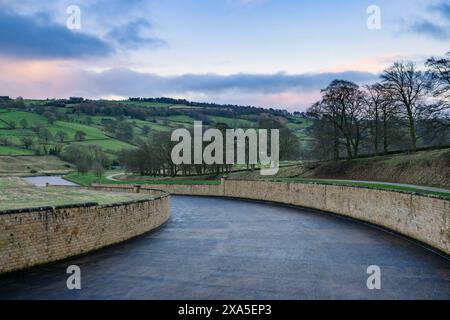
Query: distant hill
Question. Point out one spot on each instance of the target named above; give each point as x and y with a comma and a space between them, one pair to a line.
116, 125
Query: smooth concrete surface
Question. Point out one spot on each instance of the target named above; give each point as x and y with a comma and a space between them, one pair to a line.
214, 248
420, 217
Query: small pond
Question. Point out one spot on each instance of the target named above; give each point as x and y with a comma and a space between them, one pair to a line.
41, 181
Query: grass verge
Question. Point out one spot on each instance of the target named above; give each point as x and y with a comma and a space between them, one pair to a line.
90, 178
14, 194
374, 185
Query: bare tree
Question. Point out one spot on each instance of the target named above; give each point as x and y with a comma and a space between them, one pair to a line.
380, 109
27, 142
61, 136
343, 104
325, 129
407, 87
90, 157
24, 123
440, 76
98, 169
389, 115
80, 135
45, 136
325, 139
437, 126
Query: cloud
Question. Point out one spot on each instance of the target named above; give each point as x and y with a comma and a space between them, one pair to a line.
279, 90
442, 8
430, 27
124, 82
131, 35
33, 36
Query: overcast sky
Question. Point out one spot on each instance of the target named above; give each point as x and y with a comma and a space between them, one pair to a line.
269, 53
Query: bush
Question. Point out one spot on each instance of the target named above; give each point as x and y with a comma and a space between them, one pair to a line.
27, 142
86, 158
5, 141
80, 136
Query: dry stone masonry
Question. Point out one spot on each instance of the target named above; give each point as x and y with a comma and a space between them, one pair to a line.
420, 217
35, 236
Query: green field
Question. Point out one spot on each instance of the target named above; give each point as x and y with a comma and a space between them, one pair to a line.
109, 145
18, 116
299, 126
17, 194
96, 120
144, 104
181, 118
32, 165
161, 117
15, 135
70, 128
154, 127
233, 123
94, 134
14, 151
90, 178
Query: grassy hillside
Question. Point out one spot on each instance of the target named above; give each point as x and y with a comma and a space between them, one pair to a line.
429, 168
144, 117
10, 150
32, 165
13, 132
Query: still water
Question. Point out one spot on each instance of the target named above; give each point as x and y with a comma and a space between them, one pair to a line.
41, 181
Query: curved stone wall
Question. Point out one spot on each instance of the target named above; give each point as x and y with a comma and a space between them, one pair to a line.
31, 237
421, 217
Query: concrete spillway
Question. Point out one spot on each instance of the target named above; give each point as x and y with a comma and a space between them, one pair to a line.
228, 249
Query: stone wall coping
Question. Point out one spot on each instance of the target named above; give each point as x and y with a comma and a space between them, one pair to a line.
337, 184
83, 205
48, 208
46, 234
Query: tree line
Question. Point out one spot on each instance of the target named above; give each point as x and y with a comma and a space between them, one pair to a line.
407, 108
237, 109
152, 157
